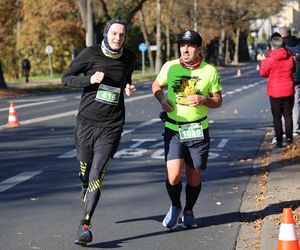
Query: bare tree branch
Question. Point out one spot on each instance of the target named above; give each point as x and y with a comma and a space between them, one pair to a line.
132, 12
105, 10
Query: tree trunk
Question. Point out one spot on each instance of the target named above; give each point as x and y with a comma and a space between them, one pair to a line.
236, 49
89, 28
221, 48
168, 41
227, 56
195, 18
83, 12
145, 35
158, 37
86, 14
105, 10
2, 81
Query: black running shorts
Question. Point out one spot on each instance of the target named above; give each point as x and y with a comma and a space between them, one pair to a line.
89, 140
194, 153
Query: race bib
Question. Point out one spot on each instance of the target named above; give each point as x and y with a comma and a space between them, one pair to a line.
191, 132
107, 94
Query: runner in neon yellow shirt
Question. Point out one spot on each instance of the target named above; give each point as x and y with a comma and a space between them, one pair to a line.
193, 87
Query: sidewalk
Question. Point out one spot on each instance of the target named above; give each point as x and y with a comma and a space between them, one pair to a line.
275, 185
283, 190
21, 88
34, 83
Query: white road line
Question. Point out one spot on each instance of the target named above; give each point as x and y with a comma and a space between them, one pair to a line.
49, 117
128, 131
138, 98
31, 104
17, 179
148, 123
243, 88
74, 112
70, 154
40, 99
222, 143
234, 76
139, 142
44, 118
69, 113
157, 145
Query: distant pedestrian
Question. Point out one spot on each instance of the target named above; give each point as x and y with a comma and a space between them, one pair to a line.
26, 66
262, 56
292, 44
279, 67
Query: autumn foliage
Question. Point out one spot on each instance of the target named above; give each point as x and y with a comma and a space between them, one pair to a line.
28, 26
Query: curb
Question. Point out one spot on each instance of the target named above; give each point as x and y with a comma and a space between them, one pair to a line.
282, 193
272, 186
252, 201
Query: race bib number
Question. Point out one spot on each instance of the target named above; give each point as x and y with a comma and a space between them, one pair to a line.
191, 132
107, 94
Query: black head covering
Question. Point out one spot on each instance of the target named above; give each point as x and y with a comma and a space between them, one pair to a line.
275, 34
105, 32
190, 36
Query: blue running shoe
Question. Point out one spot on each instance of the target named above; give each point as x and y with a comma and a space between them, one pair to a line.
172, 217
84, 235
188, 219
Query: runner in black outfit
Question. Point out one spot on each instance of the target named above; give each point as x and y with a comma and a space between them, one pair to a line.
107, 70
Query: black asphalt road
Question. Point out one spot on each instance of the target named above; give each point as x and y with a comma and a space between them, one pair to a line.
39, 187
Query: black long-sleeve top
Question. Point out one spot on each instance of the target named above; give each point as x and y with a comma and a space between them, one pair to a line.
117, 73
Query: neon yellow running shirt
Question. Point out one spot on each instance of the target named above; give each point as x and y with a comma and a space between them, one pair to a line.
183, 82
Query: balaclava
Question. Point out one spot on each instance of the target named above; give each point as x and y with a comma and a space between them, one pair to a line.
107, 50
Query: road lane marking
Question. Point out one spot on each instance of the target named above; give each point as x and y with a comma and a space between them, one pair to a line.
158, 145
222, 143
139, 142
40, 99
72, 153
74, 112
127, 131
148, 123
243, 88
31, 104
69, 113
44, 118
48, 117
138, 97
17, 179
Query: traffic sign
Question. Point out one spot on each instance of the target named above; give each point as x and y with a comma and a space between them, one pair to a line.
49, 49
143, 47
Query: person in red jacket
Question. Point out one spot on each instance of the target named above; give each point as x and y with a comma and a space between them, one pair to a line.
278, 67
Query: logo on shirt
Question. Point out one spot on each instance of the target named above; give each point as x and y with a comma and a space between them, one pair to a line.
185, 86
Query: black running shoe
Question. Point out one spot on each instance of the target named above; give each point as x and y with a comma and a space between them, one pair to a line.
84, 235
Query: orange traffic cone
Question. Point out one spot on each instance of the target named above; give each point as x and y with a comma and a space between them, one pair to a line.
257, 67
287, 234
12, 116
238, 73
